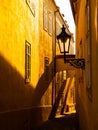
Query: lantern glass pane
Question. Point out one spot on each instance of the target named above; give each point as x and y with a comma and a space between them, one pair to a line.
61, 46
67, 46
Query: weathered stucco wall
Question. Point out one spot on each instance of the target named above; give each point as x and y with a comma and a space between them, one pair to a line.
87, 103
23, 105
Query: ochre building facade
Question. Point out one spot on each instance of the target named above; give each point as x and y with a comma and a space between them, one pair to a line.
86, 19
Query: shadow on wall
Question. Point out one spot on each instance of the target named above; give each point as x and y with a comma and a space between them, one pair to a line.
42, 86
18, 101
82, 115
14, 93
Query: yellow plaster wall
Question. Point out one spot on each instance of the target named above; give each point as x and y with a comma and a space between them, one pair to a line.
45, 50
87, 99
18, 24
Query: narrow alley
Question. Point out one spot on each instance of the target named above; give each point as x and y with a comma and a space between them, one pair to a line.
49, 65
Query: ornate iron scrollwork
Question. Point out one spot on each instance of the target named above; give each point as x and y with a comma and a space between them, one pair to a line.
77, 63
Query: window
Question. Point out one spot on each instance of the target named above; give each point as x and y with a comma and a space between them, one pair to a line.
50, 23
27, 61
46, 67
31, 4
45, 18
64, 75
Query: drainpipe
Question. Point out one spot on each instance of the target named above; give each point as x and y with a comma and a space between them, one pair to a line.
54, 57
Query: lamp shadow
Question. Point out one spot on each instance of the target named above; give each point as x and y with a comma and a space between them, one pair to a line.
43, 85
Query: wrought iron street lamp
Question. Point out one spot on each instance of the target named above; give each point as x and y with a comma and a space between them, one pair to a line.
64, 46
64, 42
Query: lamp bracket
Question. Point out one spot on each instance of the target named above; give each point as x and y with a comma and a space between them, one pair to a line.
77, 62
